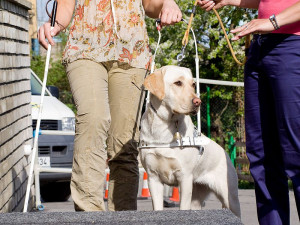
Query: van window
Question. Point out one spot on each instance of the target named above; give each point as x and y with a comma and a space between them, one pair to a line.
36, 86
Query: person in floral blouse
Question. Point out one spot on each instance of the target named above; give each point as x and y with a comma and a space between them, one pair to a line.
106, 58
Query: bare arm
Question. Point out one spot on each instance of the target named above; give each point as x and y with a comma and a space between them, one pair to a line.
152, 8
287, 16
209, 4
65, 9
167, 10
251, 4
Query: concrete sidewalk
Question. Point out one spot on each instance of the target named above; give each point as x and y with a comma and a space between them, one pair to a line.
247, 201
203, 217
212, 214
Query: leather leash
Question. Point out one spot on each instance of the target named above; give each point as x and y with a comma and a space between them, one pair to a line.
186, 35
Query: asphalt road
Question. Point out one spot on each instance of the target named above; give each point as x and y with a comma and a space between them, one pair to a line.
247, 201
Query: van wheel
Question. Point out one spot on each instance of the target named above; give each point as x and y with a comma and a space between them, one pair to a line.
56, 191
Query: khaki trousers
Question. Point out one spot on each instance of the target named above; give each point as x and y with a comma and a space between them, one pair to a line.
109, 99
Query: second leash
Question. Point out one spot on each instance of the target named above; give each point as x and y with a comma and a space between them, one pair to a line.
186, 36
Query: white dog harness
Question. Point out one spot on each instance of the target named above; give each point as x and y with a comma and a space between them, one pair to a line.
184, 142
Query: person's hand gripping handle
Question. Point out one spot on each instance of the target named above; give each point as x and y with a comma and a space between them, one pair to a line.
53, 18
52, 23
49, 29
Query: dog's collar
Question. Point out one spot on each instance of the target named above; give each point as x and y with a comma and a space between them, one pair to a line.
155, 111
176, 122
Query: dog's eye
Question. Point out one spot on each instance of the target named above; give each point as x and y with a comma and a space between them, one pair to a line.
178, 83
194, 85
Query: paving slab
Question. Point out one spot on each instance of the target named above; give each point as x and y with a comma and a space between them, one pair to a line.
170, 217
63, 213
246, 197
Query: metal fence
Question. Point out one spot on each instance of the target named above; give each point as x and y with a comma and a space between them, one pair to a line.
222, 119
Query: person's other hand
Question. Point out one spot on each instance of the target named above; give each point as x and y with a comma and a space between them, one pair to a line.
45, 32
260, 26
207, 5
169, 14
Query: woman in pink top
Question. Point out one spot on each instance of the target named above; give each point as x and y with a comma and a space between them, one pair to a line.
272, 103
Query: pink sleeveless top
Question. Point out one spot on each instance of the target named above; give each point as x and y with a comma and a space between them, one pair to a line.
270, 7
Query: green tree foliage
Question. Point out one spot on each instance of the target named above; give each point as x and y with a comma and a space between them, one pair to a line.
215, 58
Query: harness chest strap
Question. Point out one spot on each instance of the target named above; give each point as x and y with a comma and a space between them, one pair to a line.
195, 142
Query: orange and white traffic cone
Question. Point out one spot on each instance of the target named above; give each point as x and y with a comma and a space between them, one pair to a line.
145, 189
175, 195
106, 186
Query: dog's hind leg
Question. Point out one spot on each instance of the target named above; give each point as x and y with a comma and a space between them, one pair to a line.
200, 193
233, 195
234, 204
157, 193
227, 193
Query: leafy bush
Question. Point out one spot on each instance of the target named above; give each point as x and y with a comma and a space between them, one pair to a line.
243, 184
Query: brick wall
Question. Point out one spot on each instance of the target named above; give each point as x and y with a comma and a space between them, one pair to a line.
15, 108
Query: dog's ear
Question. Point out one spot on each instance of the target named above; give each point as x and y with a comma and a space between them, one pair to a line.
155, 84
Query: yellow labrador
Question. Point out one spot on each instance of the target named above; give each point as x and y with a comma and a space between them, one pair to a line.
197, 173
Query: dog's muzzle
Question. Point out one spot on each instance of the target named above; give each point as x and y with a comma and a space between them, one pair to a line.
196, 102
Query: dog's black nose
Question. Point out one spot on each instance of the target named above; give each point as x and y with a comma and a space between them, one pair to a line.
196, 101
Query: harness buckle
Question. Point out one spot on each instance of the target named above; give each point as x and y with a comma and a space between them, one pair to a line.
181, 55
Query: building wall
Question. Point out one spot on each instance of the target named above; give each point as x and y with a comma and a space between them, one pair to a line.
15, 108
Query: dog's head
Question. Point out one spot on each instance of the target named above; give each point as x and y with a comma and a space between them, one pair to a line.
175, 86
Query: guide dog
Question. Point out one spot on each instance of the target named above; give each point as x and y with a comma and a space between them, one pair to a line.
196, 173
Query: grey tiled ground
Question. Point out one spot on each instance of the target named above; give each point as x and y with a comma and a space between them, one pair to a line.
247, 201
207, 217
63, 213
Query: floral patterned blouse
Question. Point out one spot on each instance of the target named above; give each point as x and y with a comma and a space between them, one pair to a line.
100, 32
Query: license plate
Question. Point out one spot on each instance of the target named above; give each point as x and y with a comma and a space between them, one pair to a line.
44, 161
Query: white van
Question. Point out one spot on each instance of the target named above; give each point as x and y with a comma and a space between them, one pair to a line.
53, 150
